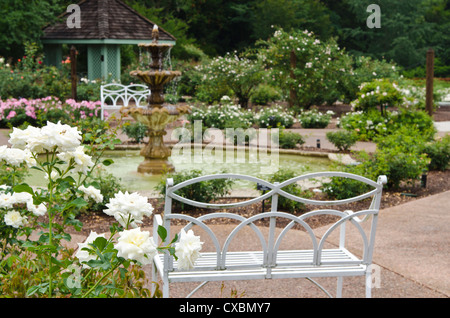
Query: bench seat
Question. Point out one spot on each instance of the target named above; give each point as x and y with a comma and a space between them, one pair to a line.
248, 265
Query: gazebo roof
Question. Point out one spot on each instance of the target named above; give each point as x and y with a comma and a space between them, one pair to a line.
104, 21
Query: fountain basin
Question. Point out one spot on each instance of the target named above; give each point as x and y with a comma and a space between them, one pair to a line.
125, 162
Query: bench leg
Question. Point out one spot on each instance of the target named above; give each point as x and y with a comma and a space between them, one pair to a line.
339, 287
165, 287
154, 278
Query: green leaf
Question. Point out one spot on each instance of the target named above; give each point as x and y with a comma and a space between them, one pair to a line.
174, 239
100, 243
108, 162
162, 232
78, 203
23, 188
95, 263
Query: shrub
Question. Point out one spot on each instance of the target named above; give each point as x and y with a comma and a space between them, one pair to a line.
274, 117
204, 191
321, 71
30, 78
264, 94
344, 188
372, 124
108, 185
439, 153
400, 156
88, 90
16, 112
135, 131
342, 139
378, 93
289, 139
222, 116
294, 189
414, 120
315, 119
236, 73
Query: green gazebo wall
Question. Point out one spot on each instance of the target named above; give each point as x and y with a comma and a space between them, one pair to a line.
103, 56
104, 61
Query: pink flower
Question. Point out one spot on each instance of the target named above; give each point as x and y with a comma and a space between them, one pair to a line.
11, 115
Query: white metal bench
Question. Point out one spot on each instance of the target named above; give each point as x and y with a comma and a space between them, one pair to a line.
115, 96
271, 262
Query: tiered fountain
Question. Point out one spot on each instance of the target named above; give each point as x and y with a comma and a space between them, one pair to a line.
157, 115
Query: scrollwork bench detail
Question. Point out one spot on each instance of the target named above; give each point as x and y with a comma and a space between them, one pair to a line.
271, 262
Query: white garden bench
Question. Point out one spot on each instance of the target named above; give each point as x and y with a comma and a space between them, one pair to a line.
115, 96
271, 262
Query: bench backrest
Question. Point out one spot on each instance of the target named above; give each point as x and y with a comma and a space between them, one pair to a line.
271, 244
115, 96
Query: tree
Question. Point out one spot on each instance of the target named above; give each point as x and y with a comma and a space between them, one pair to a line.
22, 21
403, 37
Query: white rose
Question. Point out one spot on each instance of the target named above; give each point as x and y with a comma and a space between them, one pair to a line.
15, 219
83, 161
187, 249
63, 136
16, 157
91, 193
124, 206
136, 245
30, 138
22, 197
6, 200
38, 210
85, 256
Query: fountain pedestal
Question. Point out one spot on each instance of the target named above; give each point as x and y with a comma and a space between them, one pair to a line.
157, 115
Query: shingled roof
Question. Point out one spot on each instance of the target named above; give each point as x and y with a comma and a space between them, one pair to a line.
105, 19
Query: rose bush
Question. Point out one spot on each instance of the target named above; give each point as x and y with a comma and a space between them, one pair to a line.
106, 264
36, 112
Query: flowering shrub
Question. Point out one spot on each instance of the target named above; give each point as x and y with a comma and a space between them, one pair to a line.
15, 112
369, 125
105, 264
378, 93
321, 67
28, 77
315, 119
274, 117
239, 74
366, 125
222, 116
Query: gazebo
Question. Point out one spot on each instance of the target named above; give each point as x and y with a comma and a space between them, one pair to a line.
105, 25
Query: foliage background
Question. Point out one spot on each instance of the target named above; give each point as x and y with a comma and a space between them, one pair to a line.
408, 28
